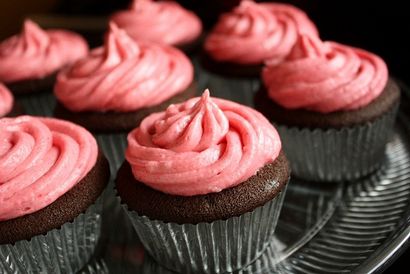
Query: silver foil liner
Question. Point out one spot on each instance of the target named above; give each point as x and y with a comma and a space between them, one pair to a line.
337, 154
218, 247
114, 146
38, 104
63, 250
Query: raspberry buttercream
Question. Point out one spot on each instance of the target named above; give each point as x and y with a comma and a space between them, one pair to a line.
6, 101
37, 53
325, 77
254, 32
124, 76
40, 160
201, 146
164, 22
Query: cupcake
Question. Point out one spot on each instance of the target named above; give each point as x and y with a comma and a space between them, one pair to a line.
51, 177
30, 60
8, 107
164, 22
122, 82
203, 184
252, 33
334, 106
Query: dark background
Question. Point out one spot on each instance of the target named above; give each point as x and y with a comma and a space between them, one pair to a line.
382, 27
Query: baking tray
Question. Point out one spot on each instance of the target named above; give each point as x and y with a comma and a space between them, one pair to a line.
356, 227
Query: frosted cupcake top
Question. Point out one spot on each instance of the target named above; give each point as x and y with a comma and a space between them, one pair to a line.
6, 100
201, 146
163, 22
254, 32
124, 75
37, 53
325, 77
40, 160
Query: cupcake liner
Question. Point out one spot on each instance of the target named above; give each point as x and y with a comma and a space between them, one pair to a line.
268, 262
217, 247
337, 154
39, 104
63, 250
114, 146
240, 90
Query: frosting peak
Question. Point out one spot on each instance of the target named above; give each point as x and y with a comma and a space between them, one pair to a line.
6, 101
201, 146
163, 22
33, 35
124, 75
307, 47
37, 53
141, 5
325, 77
194, 129
120, 44
40, 160
256, 32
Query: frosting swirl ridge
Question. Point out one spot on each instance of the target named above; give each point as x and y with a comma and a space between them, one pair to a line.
325, 77
123, 76
164, 22
201, 146
6, 100
36, 53
254, 32
40, 160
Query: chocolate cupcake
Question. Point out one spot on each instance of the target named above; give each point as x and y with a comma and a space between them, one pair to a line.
119, 84
8, 107
203, 185
164, 22
30, 60
334, 106
51, 177
251, 34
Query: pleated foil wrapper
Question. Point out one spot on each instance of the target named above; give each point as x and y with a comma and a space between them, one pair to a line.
38, 104
337, 154
63, 250
114, 146
218, 247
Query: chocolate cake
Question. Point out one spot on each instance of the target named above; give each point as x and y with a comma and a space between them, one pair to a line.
63, 210
388, 99
118, 121
235, 201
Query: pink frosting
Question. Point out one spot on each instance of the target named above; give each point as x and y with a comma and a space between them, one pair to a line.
255, 32
162, 22
201, 146
124, 76
36, 53
6, 101
325, 77
40, 160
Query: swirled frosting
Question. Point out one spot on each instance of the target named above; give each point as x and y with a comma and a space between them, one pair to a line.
325, 77
40, 160
201, 146
161, 22
36, 53
6, 101
255, 32
123, 76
